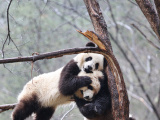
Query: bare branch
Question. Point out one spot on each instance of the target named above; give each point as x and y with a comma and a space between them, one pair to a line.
146, 37
141, 100
8, 35
128, 46
7, 107
51, 55
132, 2
149, 30
69, 22
113, 18
98, 21
72, 9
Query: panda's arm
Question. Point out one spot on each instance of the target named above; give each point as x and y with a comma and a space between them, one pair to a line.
69, 81
102, 101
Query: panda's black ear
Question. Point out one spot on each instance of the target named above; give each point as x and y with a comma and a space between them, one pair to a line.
90, 44
105, 62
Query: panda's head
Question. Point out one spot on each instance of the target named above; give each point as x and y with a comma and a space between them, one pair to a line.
92, 62
86, 93
89, 62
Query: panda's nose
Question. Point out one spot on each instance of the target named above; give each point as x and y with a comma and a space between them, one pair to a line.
86, 97
89, 68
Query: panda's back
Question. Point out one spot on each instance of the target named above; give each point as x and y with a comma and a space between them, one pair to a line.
45, 87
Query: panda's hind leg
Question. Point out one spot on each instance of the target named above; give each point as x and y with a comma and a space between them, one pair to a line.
44, 113
25, 108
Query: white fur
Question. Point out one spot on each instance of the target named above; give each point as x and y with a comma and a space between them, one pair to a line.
45, 86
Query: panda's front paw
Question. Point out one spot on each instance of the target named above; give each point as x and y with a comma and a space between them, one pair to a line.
86, 80
83, 81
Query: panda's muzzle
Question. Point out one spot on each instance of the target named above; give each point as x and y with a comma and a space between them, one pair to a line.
88, 69
88, 99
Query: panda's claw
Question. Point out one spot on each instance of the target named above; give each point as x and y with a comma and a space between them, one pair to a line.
95, 108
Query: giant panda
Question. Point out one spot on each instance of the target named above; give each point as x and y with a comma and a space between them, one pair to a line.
44, 93
96, 98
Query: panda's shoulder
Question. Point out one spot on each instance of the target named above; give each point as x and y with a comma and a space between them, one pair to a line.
46, 76
71, 68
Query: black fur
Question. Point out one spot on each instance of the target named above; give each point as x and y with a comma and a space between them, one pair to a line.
99, 105
69, 81
26, 107
97, 65
44, 113
104, 63
131, 118
88, 59
90, 44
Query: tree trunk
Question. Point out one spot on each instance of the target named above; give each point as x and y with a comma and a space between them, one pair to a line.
120, 103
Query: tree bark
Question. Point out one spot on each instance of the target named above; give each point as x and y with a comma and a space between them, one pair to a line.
120, 103
157, 3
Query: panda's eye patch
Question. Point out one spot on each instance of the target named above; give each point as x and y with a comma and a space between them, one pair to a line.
97, 65
90, 87
88, 59
81, 91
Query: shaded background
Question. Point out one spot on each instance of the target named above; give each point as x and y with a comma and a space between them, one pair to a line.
49, 25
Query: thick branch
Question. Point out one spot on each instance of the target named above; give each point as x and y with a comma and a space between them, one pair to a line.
50, 55
150, 14
98, 21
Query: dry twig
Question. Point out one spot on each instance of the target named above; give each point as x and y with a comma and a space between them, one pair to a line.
146, 37
8, 35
